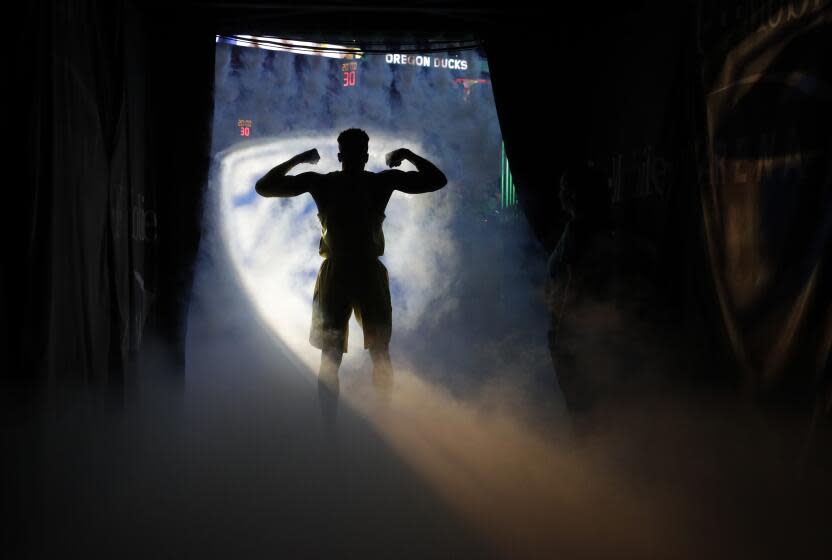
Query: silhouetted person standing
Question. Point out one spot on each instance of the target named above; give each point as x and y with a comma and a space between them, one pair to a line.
597, 289
580, 290
351, 205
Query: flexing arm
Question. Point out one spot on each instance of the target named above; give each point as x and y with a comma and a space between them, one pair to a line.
427, 178
277, 183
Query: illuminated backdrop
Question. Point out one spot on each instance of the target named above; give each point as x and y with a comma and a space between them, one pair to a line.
452, 255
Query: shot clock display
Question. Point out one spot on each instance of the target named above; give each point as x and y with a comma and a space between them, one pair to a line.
349, 71
245, 126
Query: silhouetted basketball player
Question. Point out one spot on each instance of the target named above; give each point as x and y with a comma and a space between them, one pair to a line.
351, 205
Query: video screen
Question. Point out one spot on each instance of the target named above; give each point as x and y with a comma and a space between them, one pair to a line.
464, 270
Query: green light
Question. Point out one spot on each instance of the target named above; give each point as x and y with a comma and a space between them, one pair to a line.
503, 176
508, 194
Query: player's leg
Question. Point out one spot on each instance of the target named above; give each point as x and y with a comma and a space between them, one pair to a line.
382, 368
330, 318
328, 386
373, 310
330, 363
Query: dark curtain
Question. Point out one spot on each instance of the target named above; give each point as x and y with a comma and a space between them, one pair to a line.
73, 294
114, 112
110, 112
618, 88
66, 271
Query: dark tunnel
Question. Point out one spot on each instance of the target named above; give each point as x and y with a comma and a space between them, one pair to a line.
597, 322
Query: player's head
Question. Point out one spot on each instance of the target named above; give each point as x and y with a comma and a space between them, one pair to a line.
584, 191
353, 146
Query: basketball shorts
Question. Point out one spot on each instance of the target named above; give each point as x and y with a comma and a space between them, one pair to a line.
346, 284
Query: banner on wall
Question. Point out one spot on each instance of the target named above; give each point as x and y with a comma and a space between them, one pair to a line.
768, 202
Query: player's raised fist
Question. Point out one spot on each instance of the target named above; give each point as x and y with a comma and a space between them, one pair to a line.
309, 156
395, 158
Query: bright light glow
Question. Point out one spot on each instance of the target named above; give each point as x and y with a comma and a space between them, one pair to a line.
273, 242
292, 46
